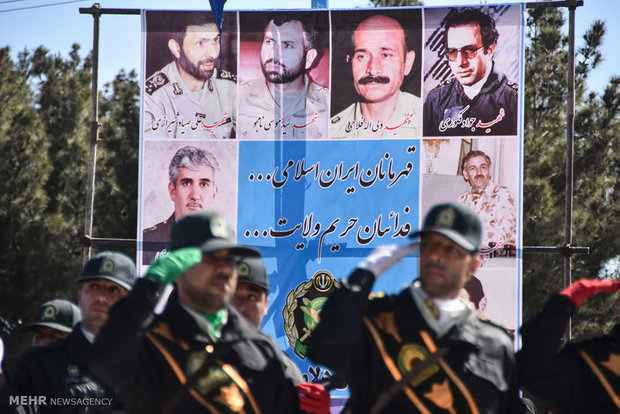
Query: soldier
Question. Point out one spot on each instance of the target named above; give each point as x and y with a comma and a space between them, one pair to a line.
200, 353
193, 186
578, 377
380, 59
494, 204
250, 298
285, 103
60, 370
478, 99
187, 98
424, 350
251, 301
54, 320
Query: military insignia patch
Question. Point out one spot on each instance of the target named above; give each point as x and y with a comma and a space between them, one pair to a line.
155, 82
303, 306
107, 266
49, 313
410, 356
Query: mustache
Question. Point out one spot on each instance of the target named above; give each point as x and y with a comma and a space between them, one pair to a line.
207, 60
274, 61
376, 79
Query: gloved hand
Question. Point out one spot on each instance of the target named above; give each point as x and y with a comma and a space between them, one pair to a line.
167, 267
313, 398
384, 257
582, 289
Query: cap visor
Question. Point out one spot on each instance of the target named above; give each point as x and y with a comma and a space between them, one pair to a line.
450, 234
56, 326
215, 245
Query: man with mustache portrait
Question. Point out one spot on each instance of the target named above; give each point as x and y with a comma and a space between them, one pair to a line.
286, 102
494, 204
381, 57
190, 97
192, 187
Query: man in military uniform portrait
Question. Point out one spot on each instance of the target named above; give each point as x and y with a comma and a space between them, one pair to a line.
285, 102
189, 97
192, 186
493, 203
380, 56
477, 99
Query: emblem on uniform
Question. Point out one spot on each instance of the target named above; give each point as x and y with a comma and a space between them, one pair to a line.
445, 218
303, 305
155, 82
73, 370
219, 228
107, 266
176, 89
409, 357
49, 313
243, 269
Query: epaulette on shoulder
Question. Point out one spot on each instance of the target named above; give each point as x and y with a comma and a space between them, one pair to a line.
224, 74
509, 332
155, 82
379, 302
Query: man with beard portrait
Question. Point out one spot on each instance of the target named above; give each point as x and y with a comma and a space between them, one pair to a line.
285, 102
187, 98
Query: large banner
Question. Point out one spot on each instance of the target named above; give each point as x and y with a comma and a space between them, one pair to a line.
321, 135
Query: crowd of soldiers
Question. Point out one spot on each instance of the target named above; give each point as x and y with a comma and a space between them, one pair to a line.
423, 350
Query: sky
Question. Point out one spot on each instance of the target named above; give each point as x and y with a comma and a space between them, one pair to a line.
57, 24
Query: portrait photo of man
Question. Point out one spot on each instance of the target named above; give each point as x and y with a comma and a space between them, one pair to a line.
480, 173
284, 74
495, 205
194, 180
475, 96
187, 93
378, 56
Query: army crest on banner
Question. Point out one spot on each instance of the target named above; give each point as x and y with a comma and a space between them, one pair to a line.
303, 305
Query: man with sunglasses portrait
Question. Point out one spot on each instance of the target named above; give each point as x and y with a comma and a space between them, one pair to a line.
477, 99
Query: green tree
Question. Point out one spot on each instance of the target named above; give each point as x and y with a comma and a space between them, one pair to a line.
597, 136
116, 193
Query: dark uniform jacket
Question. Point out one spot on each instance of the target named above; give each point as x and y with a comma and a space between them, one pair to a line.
582, 377
449, 111
148, 358
60, 371
156, 239
371, 344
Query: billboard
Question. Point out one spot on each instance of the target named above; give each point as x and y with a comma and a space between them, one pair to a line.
320, 135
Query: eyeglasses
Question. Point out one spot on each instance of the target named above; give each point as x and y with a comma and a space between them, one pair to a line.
467, 51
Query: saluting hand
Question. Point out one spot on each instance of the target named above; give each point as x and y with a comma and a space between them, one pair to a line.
167, 267
384, 257
582, 289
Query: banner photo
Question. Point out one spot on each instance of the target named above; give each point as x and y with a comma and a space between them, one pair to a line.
320, 135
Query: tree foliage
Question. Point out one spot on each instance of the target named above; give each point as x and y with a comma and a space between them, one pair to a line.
44, 139
595, 173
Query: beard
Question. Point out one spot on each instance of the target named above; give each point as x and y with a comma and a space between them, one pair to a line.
286, 75
194, 69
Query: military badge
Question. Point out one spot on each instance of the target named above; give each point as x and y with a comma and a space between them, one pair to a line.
303, 305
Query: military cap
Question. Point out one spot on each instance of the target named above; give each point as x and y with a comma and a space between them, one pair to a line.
113, 266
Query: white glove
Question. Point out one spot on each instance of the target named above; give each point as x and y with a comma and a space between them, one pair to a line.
384, 257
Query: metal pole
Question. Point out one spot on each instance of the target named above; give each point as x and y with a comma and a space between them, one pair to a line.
94, 135
570, 138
